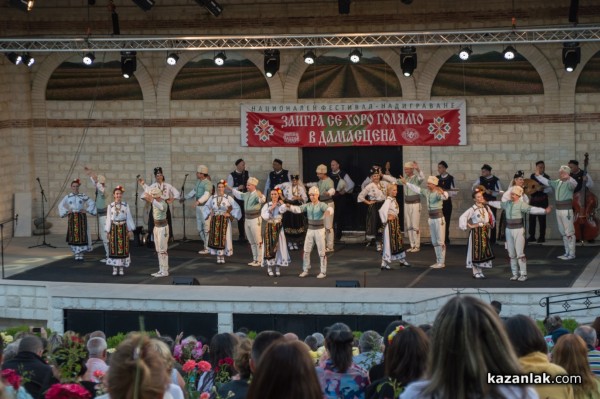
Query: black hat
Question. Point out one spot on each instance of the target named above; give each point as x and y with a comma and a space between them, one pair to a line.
574, 162
444, 164
539, 162
238, 161
158, 170
295, 177
486, 167
519, 173
278, 161
373, 171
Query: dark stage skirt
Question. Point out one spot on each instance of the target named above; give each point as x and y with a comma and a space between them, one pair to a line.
218, 232
271, 239
396, 244
118, 242
294, 224
77, 229
481, 250
374, 227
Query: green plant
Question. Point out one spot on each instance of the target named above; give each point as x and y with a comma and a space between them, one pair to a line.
115, 340
540, 324
252, 334
570, 324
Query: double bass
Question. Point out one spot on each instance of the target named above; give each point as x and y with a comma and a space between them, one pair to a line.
584, 207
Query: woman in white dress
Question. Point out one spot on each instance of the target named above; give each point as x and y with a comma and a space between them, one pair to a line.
275, 251
393, 248
373, 196
119, 229
294, 224
479, 219
75, 206
222, 209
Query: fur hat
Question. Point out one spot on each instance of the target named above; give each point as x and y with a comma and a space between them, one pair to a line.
313, 190
253, 181
156, 192
519, 173
158, 170
564, 168
432, 180
202, 169
101, 179
444, 164
486, 167
409, 165
321, 169
518, 190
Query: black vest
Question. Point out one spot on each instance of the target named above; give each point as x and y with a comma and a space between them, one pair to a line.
336, 177
489, 184
579, 179
539, 198
240, 179
446, 183
278, 178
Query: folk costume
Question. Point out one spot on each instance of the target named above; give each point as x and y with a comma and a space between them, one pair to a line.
220, 237
119, 222
491, 183
160, 231
275, 251
478, 219
168, 192
393, 248
201, 193
294, 225
75, 206
100, 186
539, 198
276, 177
343, 185
252, 205
326, 193
239, 179
374, 191
446, 183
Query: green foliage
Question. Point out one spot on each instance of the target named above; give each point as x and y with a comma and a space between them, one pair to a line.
540, 324
252, 334
115, 340
570, 324
357, 335
70, 357
14, 330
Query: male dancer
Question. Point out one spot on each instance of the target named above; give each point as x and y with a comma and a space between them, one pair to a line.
326, 192
99, 182
539, 198
238, 179
277, 176
446, 182
201, 193
160, 230
253, 201
492, 189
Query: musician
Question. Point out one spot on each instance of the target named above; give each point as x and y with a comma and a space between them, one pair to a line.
539, 198
277, 176
580, 176
434, 197
253, 200
238, 179
446, 182
492, 189
563, 187
340, 198
169, 194
201, 193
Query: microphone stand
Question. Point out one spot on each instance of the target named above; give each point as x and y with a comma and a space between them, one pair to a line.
139, 230
16, 219
97, 219
184, 239
44, 199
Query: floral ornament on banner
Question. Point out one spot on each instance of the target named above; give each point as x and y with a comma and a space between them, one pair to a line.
67, 391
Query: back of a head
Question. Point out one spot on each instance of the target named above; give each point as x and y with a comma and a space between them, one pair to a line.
388, 330
31, 343
241, 358
320, 338
97, 334
571, 354
96, 347
137, 355
370, 341
588, 334
524, 335
497, 306
406, 356
262, 342
11, 350
468, 342
164, 351
338, 342
222, 346
311, 341
286, 371
551, 323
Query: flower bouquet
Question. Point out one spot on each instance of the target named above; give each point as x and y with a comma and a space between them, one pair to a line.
192, 371
67, 391
188, 349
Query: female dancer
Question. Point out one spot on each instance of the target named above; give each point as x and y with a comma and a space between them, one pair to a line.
119, 229
294, 225
392, 234
275, 250
222, 209
374, 194
479, 219
75, 205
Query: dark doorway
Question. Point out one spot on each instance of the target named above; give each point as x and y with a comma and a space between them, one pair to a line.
356, 161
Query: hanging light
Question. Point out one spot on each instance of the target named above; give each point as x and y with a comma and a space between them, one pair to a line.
14, 58
464, 53
271, 62
172, 59
28, 60
310, 57
355, 55
571, 56
128, 63
408, 60
30, 5
88, 59
509, 53
220, 58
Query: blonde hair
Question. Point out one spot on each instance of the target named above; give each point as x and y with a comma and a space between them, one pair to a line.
570, 352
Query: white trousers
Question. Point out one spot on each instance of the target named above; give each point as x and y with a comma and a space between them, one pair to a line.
564, 218
315, 237
161, 243
103, 235
253, 234
437, 227
329, 234
202, 225
412, 217
515, 245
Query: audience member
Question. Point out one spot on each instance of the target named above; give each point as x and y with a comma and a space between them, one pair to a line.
554, 329
588, 334
221, 349
96, 348
163, 350
370, 346
497, 306
238, 388
377, 372
571, 352
260, 345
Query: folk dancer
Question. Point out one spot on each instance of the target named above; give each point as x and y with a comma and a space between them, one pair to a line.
75, 206
563, 187
253, 200
294, 225
373, 195
341, 196
221, 209
326, 190
368, 178
161, 229
316, 212
393, 248
412, 202
446, 182
118, 229
169, 194
277, 176
275, 251
518, 180
201, 193
434, 197
478, 219
540, 199
99, 183
515, 210
492, 189
238, 179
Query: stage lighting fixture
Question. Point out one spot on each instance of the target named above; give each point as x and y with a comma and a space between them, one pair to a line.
14, 58
212, 6
344, 7
220, 59
571, 56
355, 55
145, 5
509, 53
30, 5
408, 60
407, 2
465, 53
23, 5
172, 59
28, 60
128, 63
271, 62
310, 57
88, 59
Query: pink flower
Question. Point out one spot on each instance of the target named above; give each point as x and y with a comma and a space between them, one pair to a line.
188, 366
67, 391
177, 351
204, 395
204, 366
99, 374
11, 377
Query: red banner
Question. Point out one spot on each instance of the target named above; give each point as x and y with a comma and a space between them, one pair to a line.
423, 123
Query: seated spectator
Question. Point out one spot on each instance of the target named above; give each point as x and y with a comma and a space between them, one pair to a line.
571, 353
588, 334
10, 381
377, 372
311, 341
370, 346
163, 350
339, 376
532, 350
221, 350
96, 362
262, 341
286, 371
554, 329
468, 342
238, 388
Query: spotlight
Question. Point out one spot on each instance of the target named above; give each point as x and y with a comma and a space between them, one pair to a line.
271, 62
28, 60
344, 7
30, 5
14, 58
212, 6
571, 56
145, 5
509, 53
172, 59
88, 59
128, 63
408, 60
220, 58
355, 55
309, 57
22, 5
464, 53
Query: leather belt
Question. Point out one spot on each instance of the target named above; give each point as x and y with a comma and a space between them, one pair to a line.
412, 199
564, 205
436, 214
161, 223
514, 223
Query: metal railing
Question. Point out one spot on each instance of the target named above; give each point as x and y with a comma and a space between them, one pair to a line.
567, 303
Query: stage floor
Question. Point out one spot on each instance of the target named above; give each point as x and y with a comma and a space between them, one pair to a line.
348, 262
